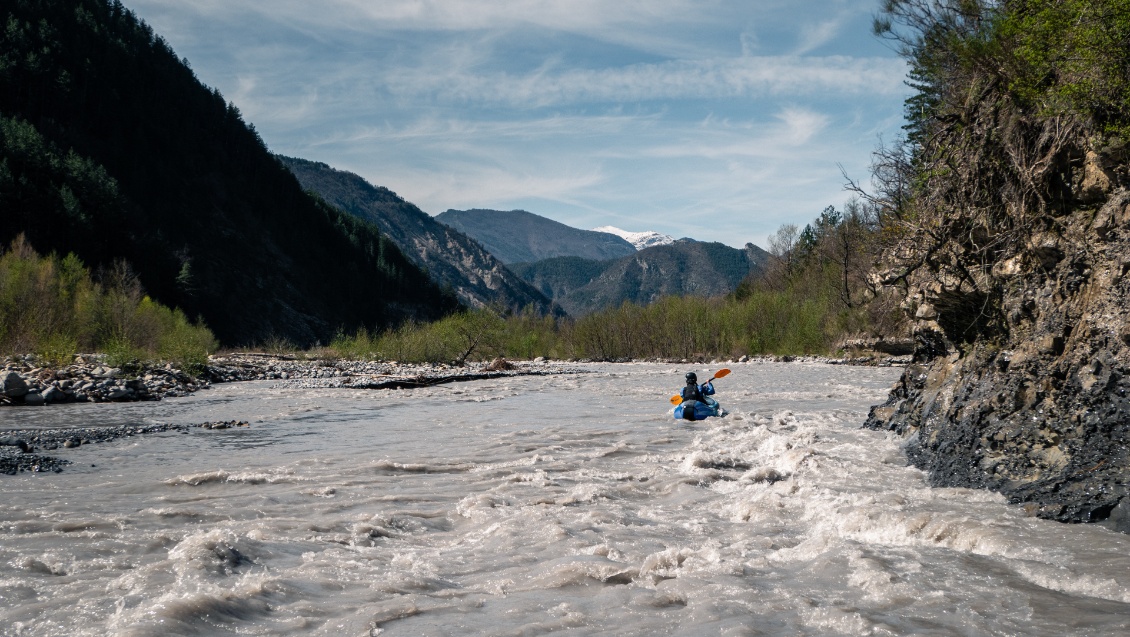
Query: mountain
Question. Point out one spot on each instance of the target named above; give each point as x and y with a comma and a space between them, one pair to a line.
112, 149
517, 236
640, 240
450, 257
686, 267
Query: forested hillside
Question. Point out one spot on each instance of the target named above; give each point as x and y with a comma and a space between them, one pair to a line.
112, 149
451, 258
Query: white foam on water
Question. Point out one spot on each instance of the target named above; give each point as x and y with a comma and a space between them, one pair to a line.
242, 477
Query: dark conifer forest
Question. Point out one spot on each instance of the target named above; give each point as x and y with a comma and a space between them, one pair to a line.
112, 149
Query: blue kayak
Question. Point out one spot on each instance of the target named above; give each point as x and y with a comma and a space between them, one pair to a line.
698, 409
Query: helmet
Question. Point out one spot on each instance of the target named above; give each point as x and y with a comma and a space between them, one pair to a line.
691, 378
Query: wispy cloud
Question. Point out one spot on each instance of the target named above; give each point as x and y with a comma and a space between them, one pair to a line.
815, 35
682, 79
717, 119
654, 25
640, 171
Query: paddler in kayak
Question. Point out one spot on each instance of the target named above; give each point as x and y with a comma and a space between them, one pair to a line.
696, 402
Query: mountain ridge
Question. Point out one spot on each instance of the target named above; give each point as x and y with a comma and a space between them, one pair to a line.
517, 236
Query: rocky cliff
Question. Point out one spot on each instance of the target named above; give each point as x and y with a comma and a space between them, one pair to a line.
1036, 407
1007, 215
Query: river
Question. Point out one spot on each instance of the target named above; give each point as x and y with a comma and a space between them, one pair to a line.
568, 504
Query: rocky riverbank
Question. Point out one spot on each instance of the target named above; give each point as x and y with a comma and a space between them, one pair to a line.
22, 449
26, 382
1038, 408
90, 380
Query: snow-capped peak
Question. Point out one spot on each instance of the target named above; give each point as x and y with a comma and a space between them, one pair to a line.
640, 240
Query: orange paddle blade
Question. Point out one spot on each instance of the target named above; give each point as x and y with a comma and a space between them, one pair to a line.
675, 400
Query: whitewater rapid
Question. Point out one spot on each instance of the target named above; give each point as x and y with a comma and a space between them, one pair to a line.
570, 504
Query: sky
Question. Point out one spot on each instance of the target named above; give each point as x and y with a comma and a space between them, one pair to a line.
719, 120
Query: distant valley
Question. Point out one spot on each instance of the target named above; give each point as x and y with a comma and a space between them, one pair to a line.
571, 266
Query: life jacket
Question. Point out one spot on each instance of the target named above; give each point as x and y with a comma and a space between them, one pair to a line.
691, 392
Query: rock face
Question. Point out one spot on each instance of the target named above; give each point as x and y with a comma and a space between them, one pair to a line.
1036, 406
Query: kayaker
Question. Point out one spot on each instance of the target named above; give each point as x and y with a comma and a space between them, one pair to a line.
696, 405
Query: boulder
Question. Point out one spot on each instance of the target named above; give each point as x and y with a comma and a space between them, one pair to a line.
54, 395
499, 364
12, 441
13, 385
1120, 516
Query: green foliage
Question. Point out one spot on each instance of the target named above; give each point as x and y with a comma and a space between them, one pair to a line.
54, 308
1051, 57
122, 354
764, 322
1069, 55
469, 335
57, 349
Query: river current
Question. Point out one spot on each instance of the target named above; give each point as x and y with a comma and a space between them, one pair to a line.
567, 504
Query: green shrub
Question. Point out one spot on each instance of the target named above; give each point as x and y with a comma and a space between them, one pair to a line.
360, 346
793, 321
124, 355
54, 308
58, 349
185, 345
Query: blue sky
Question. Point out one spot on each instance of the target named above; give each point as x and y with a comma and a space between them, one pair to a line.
719, 120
